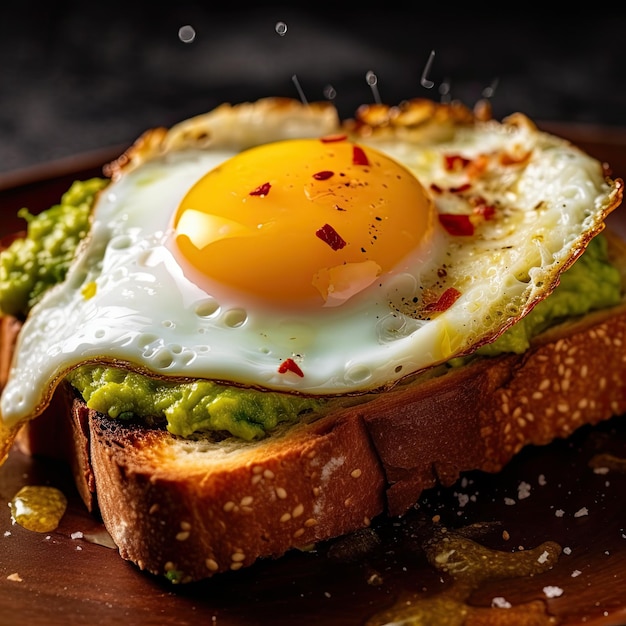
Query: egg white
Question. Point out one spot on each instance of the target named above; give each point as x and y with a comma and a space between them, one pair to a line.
126, 299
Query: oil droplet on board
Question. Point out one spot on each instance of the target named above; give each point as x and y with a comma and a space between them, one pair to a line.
38, 508
607, 461
470, 564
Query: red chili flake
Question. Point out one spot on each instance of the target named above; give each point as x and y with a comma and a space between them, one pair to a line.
455, 162
446, 300
358, 156
333, 138
457, 225
460, 188
436, 188
323, 175
289, 365
261, 190
330, 236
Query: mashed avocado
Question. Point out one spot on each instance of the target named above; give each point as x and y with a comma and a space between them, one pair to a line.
41, 259
187, 408
32, 265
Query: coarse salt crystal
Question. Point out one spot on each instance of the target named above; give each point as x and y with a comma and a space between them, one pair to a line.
523, 490
559, 512
543, 557
552, 591
77, 535
576, 573
509, 501
501, 603
581, 512
463, 499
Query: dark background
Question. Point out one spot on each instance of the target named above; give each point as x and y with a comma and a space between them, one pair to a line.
79, 76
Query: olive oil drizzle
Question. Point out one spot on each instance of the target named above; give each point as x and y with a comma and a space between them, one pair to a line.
608, 461
469, 564
38, 508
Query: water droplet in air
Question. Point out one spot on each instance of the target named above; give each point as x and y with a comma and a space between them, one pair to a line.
489, 91
444, 91
186, 33
281, 28
424, 80
296, 82
372, 81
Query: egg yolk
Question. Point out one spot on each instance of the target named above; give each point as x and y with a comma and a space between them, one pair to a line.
301, 222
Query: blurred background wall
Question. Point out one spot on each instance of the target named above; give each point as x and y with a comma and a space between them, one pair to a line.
79, 76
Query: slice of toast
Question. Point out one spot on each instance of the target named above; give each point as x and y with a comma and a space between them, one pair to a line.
192, 508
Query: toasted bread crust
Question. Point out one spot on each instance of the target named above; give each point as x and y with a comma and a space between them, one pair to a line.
167, 512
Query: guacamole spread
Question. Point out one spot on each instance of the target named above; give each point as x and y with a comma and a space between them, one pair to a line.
40, 260
187, 408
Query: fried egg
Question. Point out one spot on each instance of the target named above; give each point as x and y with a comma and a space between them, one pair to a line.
311, 258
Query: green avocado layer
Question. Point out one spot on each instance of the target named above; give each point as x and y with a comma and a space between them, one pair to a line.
188, 408
39, 261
